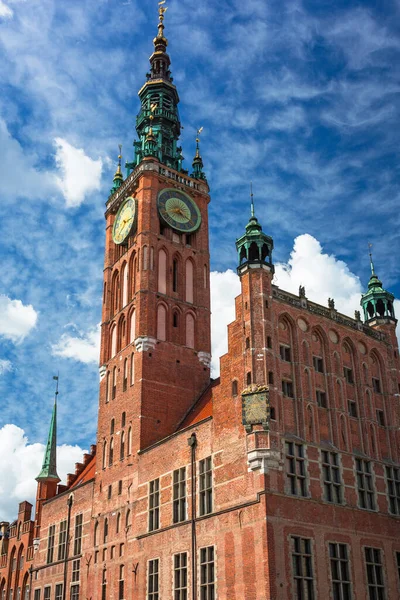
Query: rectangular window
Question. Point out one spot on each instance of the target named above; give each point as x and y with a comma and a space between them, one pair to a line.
348, 374
398, 564
318, 364
78, 534
59, 592
121, 583
295, 469
154, 505
47, 593
76, 567
365, 485
340, 571
205, 481
62, 540
179, 491
207, 573
109, 492
331, 476
376, 385
287, 388
119, 487
36, 595
180, 576
50, 544
321, 398
74, 592
353, 409
303, 579
375, 581
152, 580
393, 487
380, 417
285, 353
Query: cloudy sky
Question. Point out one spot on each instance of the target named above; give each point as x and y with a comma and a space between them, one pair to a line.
300, 97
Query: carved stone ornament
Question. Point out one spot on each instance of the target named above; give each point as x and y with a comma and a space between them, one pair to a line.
102, 371
145, 343
205, 358
255, 407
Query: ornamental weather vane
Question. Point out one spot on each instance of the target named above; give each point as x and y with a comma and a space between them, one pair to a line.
161, 12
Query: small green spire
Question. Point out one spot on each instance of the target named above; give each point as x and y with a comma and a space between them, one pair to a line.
118, 177
49, 467
377, 303
198, 161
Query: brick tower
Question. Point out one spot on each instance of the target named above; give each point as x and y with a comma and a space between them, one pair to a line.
155, 344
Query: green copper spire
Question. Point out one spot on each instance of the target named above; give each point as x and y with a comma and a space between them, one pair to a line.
254, 247
377, 303
198, 161
49, 467
157, 125
118, 177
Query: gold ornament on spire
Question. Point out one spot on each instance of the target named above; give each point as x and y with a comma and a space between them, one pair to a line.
197, 155
161, 12
118, 172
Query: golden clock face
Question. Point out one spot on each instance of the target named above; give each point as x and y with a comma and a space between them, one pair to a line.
178, 210
124, 221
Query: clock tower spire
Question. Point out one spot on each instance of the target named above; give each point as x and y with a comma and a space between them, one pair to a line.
155, 344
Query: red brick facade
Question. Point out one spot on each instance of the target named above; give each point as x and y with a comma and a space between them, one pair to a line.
289, 491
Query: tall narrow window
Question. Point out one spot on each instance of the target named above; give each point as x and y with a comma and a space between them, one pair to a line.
46, 595
152, 580
175, 266
50, 544
113, 341
207, 573
340, 571
36, 595
145, 258
104, 585
179, 495
104, 454
321, 398
189, 281
154, 505
318, 364
180, 576
161, 322
121, 583
205, 276
122, 446
175, 319
303, 577
78, 534
287, 388
96, 534
76, 570
125, 380
376, 385
331, 476
112, 426
348, 375
132, 333
375, 580
62, 540
365, 486
114, 383
74, 592
105, 531
111, 453
129, 445
128, 520
132, 368
234, 388
118, 523
393, 488
162, 272
124, 278
108, 386
295, 469
58, 592
285, 353
205, 481
189, 330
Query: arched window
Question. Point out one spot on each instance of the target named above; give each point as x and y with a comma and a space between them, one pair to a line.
113, 341
111, 453
254, 252
189, 281
125, 284
190, 330
161, 322
96, 534
129, 445
145, 258
175, 267
114, 383
105, 533
162, 272
132, 275
122, 447
125, 381
152, 258
175, 318
132, 334
132, 368
112, 426
118, 524
121, 334
108, 386
115, 293
123, 419
104, 454
19, 531
234, 388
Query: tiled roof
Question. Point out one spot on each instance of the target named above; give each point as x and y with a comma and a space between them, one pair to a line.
87, 473
201, 409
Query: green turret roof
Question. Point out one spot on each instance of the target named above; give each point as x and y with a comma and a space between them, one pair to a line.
254, 247
377, 303
49, 467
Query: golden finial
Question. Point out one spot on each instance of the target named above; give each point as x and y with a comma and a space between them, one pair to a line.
197, 142
118, 172
370, 258
152, 110
161, 12
251, 199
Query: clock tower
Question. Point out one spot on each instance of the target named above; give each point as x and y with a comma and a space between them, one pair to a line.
155, 341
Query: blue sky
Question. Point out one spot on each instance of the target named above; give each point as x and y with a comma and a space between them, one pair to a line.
301, 98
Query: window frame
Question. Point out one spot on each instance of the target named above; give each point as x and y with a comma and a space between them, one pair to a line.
180, 577
62, 540
207, 572
372, 567
392, 478
154, 504
366, 493
285, 352
205, 486
51, 538
303, 581
340, 570
296, 475
78, 532
153, 579
332, 481
179, 495
318, 364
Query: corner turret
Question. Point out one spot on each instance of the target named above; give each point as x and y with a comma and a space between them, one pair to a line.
254, 247
118, 177
377, 303
198, 161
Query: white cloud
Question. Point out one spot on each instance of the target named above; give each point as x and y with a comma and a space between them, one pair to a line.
224, 288
16, 320
80, 175
5, 11
20, 463
85, 347
323, 275
5, 366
